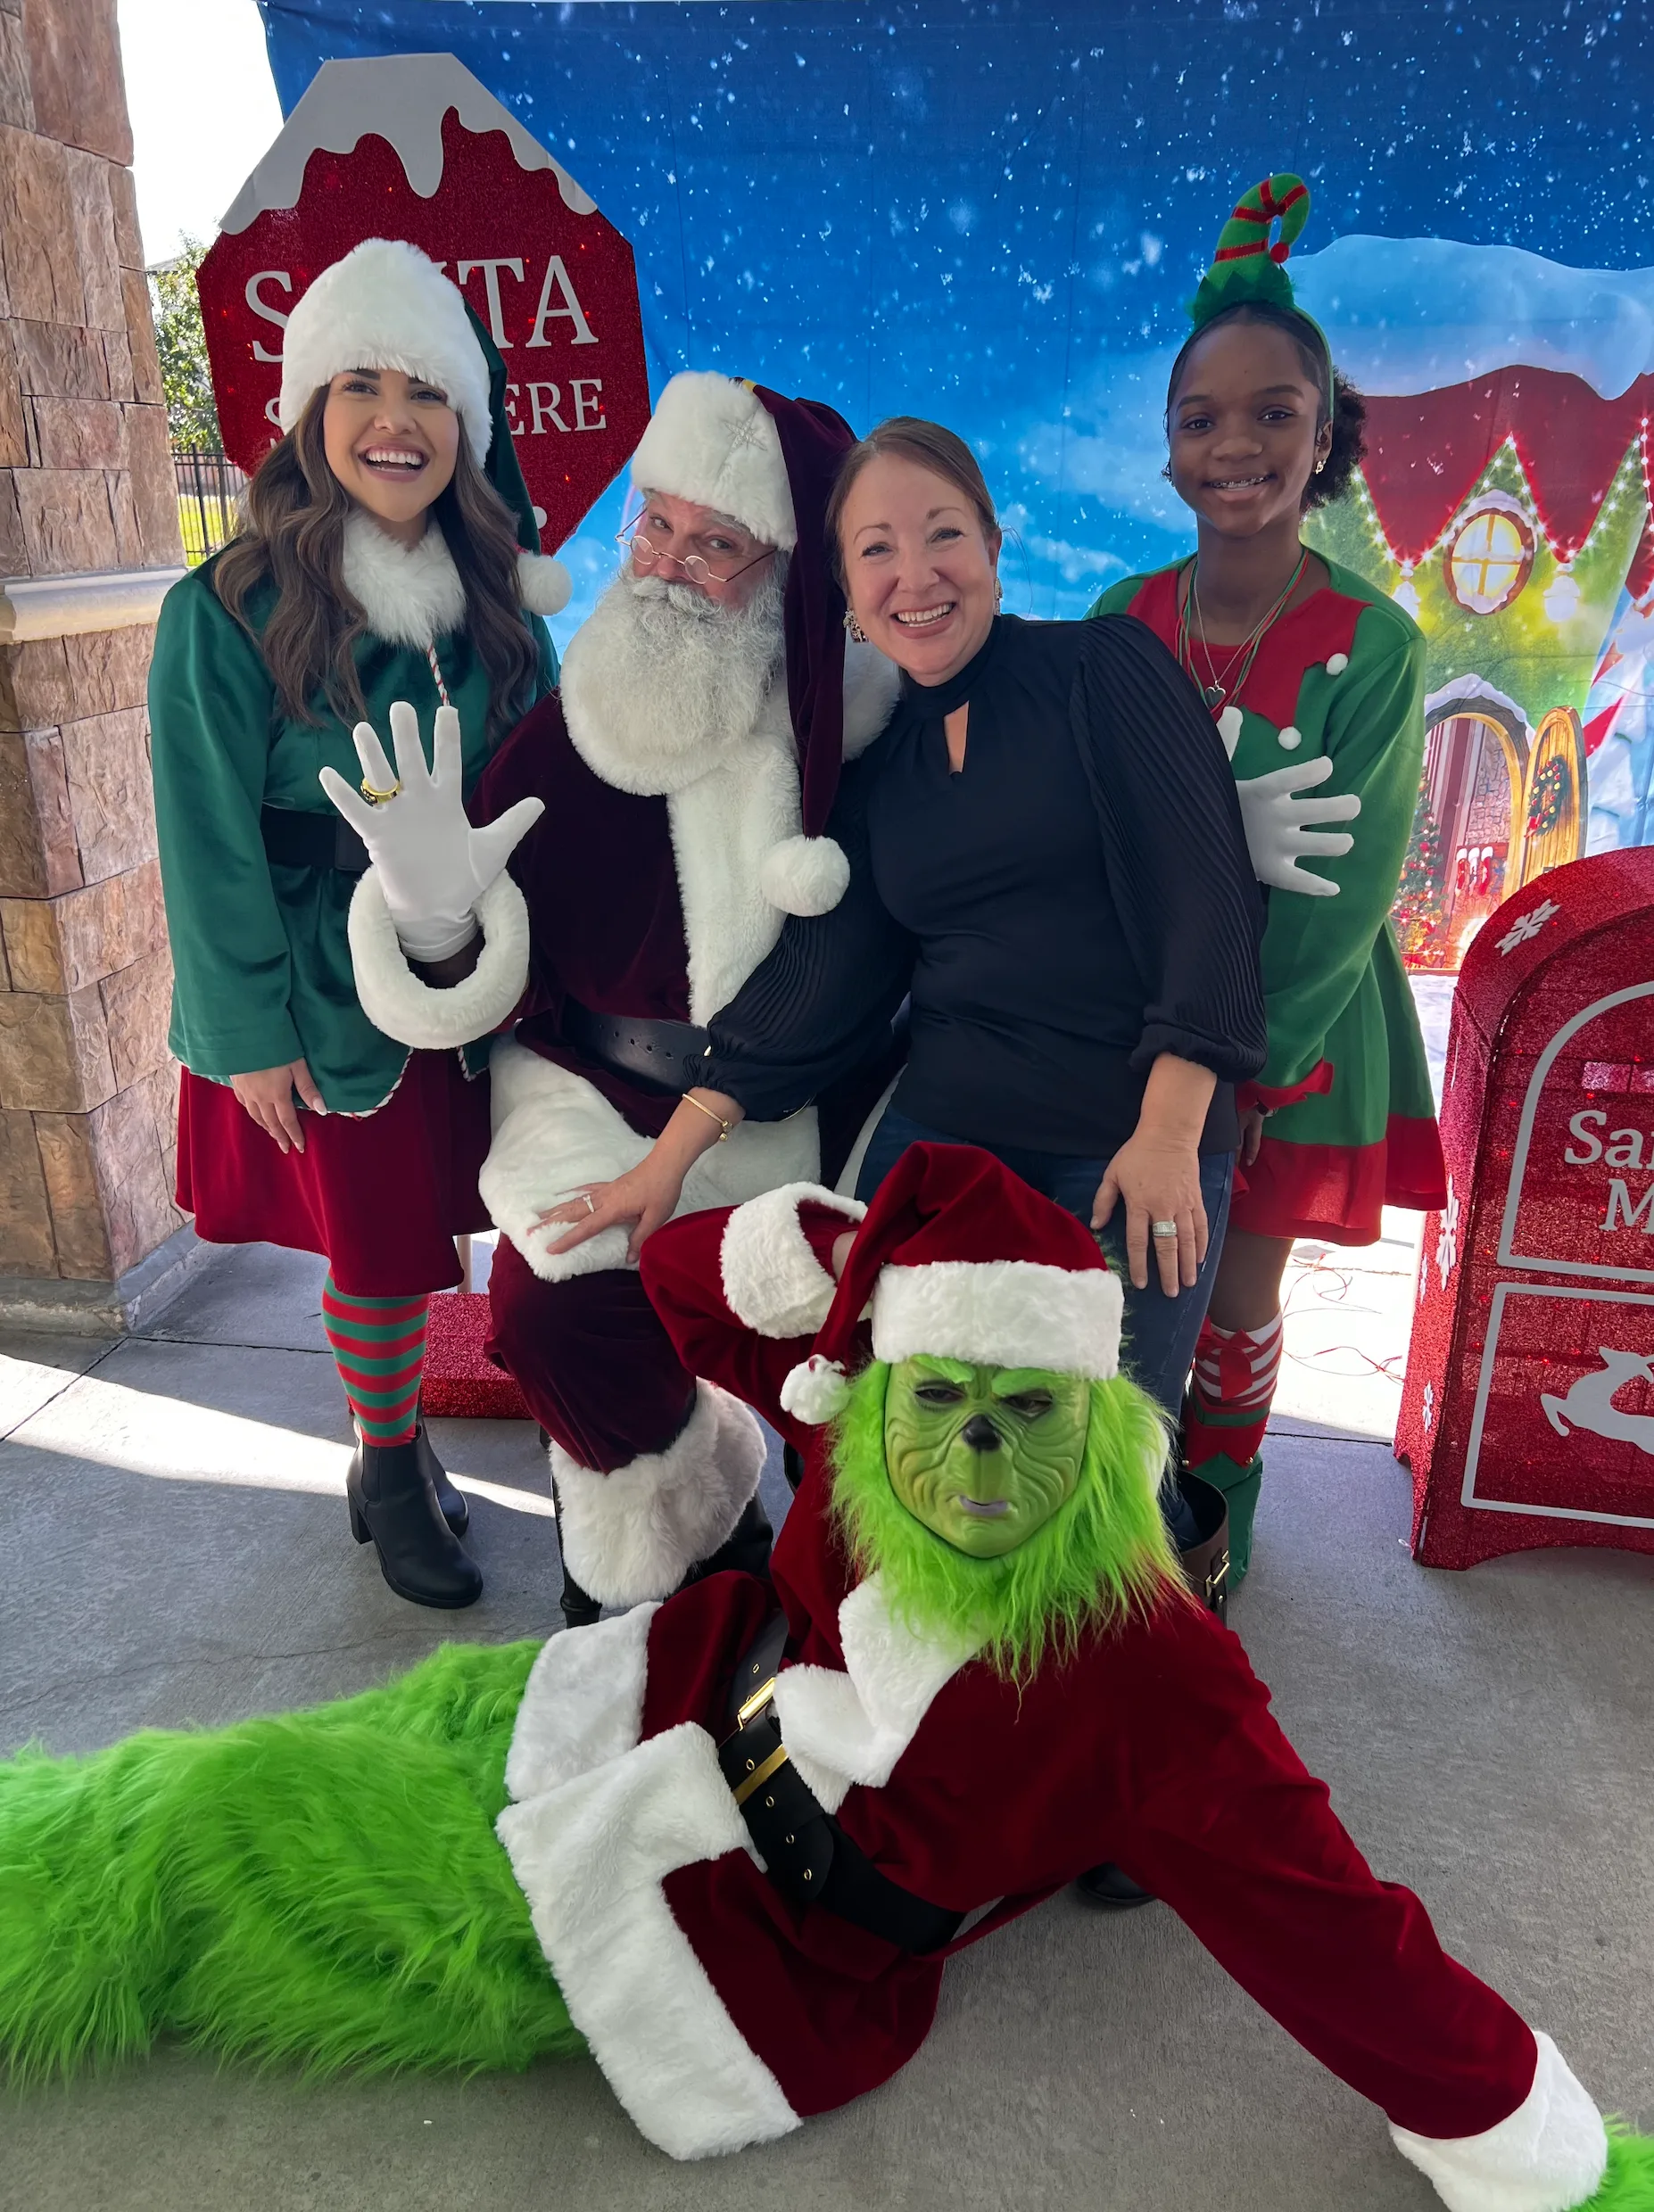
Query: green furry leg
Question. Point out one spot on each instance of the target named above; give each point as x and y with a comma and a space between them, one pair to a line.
324, 1886
1628, 2185
1240, 1486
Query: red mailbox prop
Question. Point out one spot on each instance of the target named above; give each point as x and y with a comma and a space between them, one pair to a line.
1528, 1413
412, 146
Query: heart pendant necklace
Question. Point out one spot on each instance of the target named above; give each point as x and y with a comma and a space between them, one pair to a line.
1216, 690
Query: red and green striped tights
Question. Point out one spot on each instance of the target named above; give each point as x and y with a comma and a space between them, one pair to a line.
379, 1346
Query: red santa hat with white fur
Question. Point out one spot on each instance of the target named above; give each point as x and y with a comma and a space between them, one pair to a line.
769, 463
927, 1271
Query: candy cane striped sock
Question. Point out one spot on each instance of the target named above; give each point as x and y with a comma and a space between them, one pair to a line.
379, 1346
1227, 1407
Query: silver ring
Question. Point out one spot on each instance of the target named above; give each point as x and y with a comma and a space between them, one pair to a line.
592, 1202
1164, 1229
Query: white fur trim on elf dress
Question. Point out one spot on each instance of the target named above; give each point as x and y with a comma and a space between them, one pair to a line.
1550, 2155
772, 1279
553, 1131
386, 305
410, 594
398, 1003
590, 1858
713, 440
1001, 1313
583, 1704
852, 1727
635, 1533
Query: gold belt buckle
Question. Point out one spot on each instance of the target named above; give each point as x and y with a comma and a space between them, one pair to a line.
760, 1775
756, 1703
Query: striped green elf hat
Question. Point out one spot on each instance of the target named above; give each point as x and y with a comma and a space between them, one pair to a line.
1246, 269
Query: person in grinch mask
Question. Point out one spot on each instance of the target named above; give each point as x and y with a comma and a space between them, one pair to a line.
1315, 678
727, 1844
386, 554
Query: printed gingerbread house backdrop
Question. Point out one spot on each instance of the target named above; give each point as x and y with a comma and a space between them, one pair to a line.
1505, 502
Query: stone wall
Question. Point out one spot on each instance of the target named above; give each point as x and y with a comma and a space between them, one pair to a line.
87, 1090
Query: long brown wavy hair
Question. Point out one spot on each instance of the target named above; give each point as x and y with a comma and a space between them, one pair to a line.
291, 534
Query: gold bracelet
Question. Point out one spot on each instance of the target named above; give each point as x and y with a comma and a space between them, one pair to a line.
724, 1127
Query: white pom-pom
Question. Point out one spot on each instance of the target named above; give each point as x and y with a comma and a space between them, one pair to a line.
805, 875
542, 584
1337, 663
817, 1392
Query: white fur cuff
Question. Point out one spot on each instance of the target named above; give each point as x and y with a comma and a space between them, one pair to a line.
416, 1013
1550, 2155
583, 1704
772, 1279
635, 1533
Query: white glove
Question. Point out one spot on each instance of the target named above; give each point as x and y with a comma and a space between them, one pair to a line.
433, 866
1279, 835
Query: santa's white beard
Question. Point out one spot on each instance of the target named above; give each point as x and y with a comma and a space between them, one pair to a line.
660, 682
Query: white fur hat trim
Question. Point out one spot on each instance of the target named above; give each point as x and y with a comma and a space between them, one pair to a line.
805, 875
711, 439
815, 1392
386, 305
1001, 1313
542, 584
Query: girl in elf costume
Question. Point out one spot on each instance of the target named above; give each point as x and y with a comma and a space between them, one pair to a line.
378, 561
1313, 676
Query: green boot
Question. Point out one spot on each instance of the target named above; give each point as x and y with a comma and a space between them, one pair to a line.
1240, 1486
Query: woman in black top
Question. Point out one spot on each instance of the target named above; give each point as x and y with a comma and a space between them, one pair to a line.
1047, 857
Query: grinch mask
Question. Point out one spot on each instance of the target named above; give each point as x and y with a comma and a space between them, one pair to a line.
983, 1457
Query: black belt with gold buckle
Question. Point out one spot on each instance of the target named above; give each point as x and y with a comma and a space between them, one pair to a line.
665, 1055
809, 1857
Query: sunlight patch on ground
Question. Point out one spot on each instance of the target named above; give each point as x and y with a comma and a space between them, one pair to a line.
113, 1425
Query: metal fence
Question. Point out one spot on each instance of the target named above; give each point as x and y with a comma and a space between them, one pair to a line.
209, 488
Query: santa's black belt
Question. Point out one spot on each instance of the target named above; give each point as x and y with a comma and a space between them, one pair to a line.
666, 1055
293, 839
809, 1857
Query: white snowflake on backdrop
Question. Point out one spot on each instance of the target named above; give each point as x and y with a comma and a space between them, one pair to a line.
1529, 926
1447, 1235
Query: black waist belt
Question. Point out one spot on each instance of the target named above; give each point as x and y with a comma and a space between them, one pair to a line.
293, 839
810, 1858
666, 1055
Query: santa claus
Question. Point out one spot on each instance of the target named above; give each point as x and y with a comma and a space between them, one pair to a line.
680, 779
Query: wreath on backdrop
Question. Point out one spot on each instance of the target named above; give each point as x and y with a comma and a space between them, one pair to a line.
1548, 799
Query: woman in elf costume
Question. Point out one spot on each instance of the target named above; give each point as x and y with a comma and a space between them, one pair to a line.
379, 561
726, 1844
1314, 677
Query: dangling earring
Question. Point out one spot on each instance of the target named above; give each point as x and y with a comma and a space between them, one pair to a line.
1166, 472
999, 595
1320, 465
852, 629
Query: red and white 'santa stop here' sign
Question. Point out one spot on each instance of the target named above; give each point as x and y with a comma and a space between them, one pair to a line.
1528, 1412
413, 146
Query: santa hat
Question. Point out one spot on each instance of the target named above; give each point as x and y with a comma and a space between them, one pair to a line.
769, 463
386, 305
959, 1258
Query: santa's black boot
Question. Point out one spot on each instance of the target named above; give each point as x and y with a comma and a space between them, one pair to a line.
745, 1550
580, 1608
393, 1507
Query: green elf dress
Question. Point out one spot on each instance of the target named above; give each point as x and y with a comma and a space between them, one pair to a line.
1352, 1124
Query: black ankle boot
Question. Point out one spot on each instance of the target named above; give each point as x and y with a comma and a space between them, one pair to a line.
393, 1507
450, 1504
746, 1549
580, 1608
1112, 1889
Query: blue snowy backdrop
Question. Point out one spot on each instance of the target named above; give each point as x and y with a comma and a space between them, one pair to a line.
993, 213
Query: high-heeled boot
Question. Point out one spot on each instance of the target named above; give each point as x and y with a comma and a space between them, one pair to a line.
393, 1507
451, 1502
580, 1608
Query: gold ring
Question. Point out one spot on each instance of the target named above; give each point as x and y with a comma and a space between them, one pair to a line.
379, 798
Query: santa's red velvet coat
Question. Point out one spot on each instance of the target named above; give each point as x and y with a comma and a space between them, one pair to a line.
721, 2014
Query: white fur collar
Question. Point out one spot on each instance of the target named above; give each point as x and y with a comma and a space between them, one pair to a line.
843, 1729
410, 595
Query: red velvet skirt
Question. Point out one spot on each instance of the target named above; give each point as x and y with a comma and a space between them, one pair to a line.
381, 1198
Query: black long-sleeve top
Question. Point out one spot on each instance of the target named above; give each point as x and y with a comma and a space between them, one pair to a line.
1075, 902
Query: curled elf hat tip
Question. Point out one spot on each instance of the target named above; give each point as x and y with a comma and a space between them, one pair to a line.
1246, 266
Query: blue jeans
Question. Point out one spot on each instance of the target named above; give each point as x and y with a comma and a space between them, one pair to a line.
1158, 1338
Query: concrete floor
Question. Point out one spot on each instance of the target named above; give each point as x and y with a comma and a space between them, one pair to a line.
175, 1550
